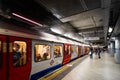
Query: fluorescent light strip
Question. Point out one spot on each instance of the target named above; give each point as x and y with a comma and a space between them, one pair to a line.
27, 19
110, 29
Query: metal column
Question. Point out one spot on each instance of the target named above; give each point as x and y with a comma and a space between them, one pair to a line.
112, 48
117, 50
109, 48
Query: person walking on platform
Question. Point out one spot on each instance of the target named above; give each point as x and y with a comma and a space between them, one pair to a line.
99, 52
91, 52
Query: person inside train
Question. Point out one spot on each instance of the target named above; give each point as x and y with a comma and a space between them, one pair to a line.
96, 51
57, 53
45, 56
45, 52
38, 57
16, 54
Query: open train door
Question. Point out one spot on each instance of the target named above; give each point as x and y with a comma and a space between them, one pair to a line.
3, 57
19, 58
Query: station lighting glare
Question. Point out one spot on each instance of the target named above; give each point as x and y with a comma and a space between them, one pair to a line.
24, 18
66, 35
80, 33
57, 15
110, 30
55, 30
113, 38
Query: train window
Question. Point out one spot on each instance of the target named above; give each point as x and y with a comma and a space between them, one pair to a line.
19, 53
0, 54
57, 51
42, 52
67, 49
74, 50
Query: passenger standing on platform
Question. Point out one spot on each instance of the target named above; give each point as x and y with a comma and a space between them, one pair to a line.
96, 51
91, 52
99, 51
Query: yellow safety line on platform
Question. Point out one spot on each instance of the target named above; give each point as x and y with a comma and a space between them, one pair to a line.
59, 71
55, 73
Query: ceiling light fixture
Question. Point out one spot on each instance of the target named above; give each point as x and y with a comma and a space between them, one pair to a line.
108, 38
80, 33
110, 30
24, 18
57, 15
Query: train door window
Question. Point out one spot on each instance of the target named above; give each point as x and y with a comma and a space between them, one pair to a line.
57, 51
19, 53
67, 49
42, 52
0, 54
76, 49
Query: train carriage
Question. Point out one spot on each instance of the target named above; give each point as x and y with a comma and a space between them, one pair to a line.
46, 57
74, 52
11, 63
36, 57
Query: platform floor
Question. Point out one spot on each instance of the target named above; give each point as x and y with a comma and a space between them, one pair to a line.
91, 69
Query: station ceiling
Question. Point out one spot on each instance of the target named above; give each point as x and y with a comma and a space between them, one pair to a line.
88, 18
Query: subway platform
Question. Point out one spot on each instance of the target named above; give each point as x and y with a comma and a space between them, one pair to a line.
88, 69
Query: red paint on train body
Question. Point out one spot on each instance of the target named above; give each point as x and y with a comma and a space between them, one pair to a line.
3, 57
8, 71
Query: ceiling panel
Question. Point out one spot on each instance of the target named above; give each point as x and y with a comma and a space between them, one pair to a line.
88, 19
96, 13
63, 8
98, 20
83, 23
92, 4
94, 34
115, 1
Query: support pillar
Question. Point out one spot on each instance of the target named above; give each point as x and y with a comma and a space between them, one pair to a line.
117, 50
109, 48
112, 48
